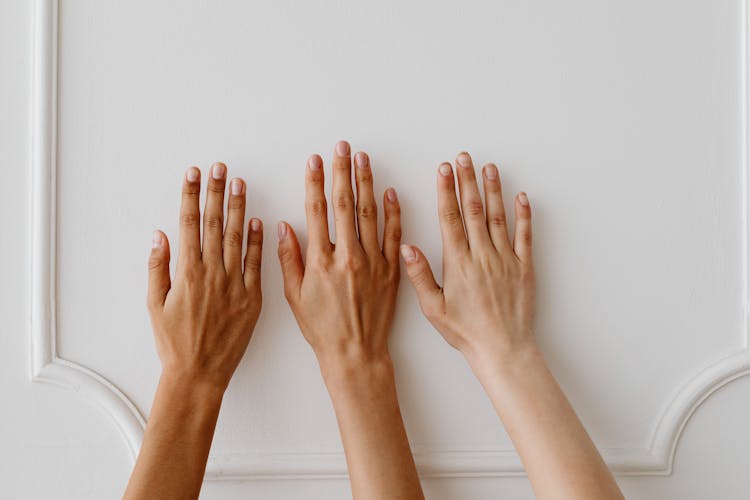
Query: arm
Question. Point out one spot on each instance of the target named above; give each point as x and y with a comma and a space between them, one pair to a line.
343, 297
485, 309
202, 324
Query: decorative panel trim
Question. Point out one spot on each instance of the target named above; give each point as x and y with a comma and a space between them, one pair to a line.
47, 366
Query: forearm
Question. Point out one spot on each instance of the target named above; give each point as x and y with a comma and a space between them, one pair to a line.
372, 429
559, 456
173, 456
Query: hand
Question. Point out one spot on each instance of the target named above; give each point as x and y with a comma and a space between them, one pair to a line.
486, 309
204, 320
343, 296
486, 304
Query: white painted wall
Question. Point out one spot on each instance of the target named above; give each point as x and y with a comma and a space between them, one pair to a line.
623, 120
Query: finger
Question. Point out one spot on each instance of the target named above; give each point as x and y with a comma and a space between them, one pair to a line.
290, 259
472, 208
318, 239
429, 293
158, 271
522, 237
213, 215
234, 231
367, 208
497, 223
254, 254
391, 227
343, 197
451, 223
190, 233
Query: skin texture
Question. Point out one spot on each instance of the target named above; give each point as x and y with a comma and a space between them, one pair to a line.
343, 297
485, 309
202, 322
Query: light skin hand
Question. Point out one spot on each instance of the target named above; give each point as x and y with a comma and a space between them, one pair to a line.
202, 323
343, 297
487, 301
485, 309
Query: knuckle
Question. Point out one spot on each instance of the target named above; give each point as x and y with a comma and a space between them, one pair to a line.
394, 234
189, 219
367, 211
342, 201
317, 207
255, 239
154, 263
285, 255
498, 220
216, 186
233, 239
352, 262
213, 222
525, 236
252, 263
474, 208
236, 202
364, 176
451, 216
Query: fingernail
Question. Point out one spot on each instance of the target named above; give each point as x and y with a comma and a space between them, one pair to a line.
156, 240
237, 186
464, 160
408, 253
192, 174
218, 171
523, 199
255, 224
342, 148
282, 230
314, 163
490, 171
445, 169
390, 195
361, 160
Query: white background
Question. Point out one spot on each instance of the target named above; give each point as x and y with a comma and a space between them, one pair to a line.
621, 119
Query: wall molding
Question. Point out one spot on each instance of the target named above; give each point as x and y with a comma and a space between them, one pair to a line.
47, 366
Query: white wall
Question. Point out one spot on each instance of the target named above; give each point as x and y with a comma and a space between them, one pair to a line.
622, 120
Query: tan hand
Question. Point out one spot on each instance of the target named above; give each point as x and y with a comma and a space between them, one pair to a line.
343, 296
486, 303
203, 321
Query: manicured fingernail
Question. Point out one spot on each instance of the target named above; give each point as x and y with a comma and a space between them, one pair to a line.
282, 230
218, 171
237, 186
490, 171
156, 240
342, 148
192, 174
390, 195
314, 162
255, 224
361, 160
464, 160
445, 169
523, 199
408, 253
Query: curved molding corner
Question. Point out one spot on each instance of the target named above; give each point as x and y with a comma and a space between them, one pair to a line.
48, 367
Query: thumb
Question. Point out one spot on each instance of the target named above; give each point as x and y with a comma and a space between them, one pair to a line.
418, 269
158, 270
290, 259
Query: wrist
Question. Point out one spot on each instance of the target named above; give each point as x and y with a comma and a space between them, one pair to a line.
191, 388
360, 372
504, 360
